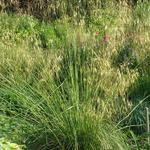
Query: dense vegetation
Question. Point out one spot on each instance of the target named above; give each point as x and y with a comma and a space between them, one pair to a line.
79, 80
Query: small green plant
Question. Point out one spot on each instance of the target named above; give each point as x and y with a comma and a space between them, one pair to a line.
5, 145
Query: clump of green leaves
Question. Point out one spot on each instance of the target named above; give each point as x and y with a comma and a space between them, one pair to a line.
5, 145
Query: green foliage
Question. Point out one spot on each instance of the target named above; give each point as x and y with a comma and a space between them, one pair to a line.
5, 145
63, 87
56, 121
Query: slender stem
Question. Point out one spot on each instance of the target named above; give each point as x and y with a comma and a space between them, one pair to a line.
133, 110
148, 127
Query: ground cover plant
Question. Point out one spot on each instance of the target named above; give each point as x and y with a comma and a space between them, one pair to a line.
76, 78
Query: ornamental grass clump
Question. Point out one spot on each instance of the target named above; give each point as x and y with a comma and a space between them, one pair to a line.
62, 116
